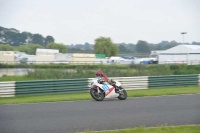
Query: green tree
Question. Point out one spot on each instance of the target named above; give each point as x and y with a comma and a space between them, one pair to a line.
6, 47
24, 48
62, 48
2, 35
33, 48
122, 48
30, 48
38, 39
87, 46
131, 48
105, 46
142, 47
15, 38
28, 36
49, 39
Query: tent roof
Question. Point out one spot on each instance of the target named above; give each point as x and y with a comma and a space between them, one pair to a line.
196, 51
116, 58
47, 51
182, 49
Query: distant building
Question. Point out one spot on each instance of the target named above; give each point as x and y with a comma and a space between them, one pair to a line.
45, 56
181, 54
7, 57
80, 58
62, 58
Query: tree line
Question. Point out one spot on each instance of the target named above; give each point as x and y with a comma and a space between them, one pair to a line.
11, 39
31, 48
130, 47
15, 38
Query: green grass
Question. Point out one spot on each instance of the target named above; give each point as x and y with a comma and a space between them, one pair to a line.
58, 71
15, 78
86, 95
160, 129
165, 91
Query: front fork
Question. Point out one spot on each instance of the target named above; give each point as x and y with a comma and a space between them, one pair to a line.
120, 89
97, 88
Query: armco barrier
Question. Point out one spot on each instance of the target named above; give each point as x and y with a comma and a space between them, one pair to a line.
7, 89
130, 83
40, 87
199, 79
51, 86
173, 80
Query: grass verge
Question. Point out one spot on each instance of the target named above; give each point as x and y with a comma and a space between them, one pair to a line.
86, 95
160, 129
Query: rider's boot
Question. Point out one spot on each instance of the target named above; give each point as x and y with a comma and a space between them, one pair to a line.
116, 88
113, 84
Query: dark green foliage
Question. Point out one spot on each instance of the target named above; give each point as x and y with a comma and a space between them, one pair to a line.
30, 49
185, 69
142, 47
15, 38
61, 47
122, 48
105, 46
49, 39
38, 39
6, 47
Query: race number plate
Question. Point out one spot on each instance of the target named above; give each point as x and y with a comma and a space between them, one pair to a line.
105, 87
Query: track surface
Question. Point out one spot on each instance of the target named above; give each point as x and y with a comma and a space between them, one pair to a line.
110, 114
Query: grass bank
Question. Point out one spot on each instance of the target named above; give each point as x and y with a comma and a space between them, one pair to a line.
88, 71
86, 95
16, 78
160, 129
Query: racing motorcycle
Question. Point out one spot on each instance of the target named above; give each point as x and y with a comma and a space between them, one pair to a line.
101, 89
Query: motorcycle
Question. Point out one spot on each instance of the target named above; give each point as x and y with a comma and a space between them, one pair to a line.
101, 89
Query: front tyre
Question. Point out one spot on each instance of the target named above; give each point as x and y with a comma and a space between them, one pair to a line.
95, 95
122, 94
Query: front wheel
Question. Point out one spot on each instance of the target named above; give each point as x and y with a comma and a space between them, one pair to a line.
122, 94
95, 95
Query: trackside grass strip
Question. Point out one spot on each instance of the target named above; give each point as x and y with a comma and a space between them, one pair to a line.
86, 95
160, 129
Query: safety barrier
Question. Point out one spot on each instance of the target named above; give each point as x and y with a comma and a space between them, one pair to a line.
7, 89
133, 83
40, 87
172, 80
51, 86
199, 79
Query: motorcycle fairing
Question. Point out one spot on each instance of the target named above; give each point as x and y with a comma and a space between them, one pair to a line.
107, 88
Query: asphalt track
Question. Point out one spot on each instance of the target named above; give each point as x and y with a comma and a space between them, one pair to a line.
110, 114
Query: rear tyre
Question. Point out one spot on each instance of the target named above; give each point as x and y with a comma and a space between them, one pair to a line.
122, 94
97, 96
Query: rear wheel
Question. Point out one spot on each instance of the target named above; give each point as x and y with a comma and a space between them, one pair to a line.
97, 96
122, 94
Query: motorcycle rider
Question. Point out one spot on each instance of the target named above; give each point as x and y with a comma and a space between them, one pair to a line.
100, 74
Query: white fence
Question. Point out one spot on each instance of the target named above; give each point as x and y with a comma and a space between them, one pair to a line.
133, 83
130, 83
7, 89
199, 79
